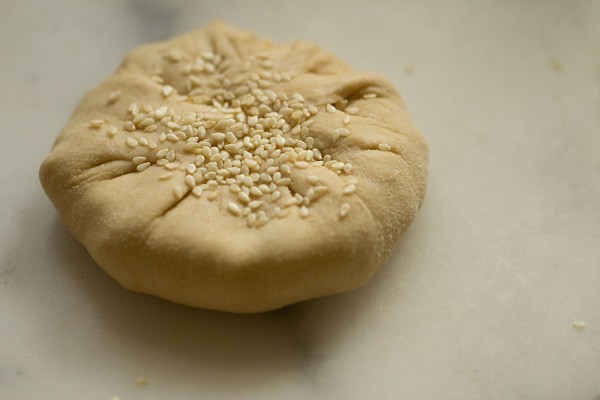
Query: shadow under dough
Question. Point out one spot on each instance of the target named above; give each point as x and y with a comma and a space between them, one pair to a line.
217, 351
228, 347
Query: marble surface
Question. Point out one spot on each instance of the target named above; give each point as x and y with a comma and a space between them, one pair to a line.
477, 302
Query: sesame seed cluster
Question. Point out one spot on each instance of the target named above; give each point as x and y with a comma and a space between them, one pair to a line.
246, 137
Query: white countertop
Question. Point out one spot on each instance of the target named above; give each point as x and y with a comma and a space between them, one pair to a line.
477, 302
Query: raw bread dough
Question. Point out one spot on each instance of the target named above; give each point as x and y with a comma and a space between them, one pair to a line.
153, 234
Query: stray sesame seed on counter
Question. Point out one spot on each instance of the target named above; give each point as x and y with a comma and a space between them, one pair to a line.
139, 380
246, 137
579, 325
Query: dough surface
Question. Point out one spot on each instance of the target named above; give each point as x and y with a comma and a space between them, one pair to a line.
173, 223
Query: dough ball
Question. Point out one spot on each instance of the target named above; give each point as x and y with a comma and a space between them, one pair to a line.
224, 171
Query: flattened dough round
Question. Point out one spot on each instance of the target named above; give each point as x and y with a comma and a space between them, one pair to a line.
142, 223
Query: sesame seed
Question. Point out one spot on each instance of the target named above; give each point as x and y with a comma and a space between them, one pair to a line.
210, 175
138, 159
173, 125
112, 130
342, 103
320, 191
255, 191
301, 164
579, 325
162, 153
173, 56
213, 195
165, 176
251, 219
191, 168
290, 202
129, 126
190, 181
253, 165
131, 142
255, 204
96, 123
335, 135
344, 210
219, 137
346, 120
262, 221
384, 147
351, 110
243, 197
197, 191
167, 90
114, 96
178, 192
146, 122
349, 189
312, 179
344, 132
247, 181
303, 212
369, 96
189, 147
143, 166
330, 108
230, 137
275, 195
234, 209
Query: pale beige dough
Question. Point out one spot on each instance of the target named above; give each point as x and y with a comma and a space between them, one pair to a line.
193, 250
